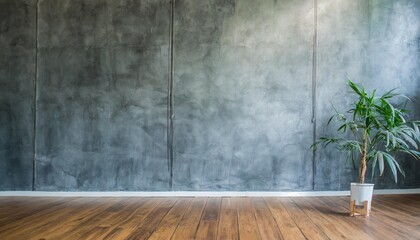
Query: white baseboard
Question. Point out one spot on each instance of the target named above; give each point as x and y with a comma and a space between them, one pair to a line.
197, 193
397, 191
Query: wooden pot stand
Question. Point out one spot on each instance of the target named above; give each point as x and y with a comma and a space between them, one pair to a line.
358, 210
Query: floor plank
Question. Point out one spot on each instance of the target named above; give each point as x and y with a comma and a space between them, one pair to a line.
131, 224
76, 222
168, 225
248, 226
149, 224
24, 214
284, 221
94, 220
305, 224
392, 217
76, 209
320, 219
266, 223
209, 220
228, 221
187, 227
30, 220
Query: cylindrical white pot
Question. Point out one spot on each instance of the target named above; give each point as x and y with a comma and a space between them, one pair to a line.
361, 192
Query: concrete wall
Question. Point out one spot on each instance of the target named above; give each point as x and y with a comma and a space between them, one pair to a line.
372, 42
243, 95
242, 91
17, 77
102, 95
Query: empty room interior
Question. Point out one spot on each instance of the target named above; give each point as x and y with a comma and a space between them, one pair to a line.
209, 119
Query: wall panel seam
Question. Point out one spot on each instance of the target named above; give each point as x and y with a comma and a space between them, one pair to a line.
170, 127
35, 81
314, 88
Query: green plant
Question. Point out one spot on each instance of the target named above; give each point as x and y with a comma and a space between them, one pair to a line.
376, 131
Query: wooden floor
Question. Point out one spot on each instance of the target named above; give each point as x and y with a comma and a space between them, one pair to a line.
393, 217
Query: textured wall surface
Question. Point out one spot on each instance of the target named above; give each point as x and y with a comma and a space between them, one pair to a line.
17, 74
102, 95
242, 90
372, 42
243, 95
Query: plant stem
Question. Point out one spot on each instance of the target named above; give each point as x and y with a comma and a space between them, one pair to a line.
363, 159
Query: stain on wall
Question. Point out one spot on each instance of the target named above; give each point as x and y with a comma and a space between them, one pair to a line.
242, 90
17, 74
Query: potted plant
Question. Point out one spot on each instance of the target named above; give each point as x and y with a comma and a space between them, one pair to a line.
375, 130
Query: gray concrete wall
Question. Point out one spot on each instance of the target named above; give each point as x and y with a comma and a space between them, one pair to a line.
242, 91
17, 77
243, 95
372, 42
102, 95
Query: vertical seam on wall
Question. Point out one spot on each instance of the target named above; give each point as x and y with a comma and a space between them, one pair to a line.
170, 133
35, 98
314, 87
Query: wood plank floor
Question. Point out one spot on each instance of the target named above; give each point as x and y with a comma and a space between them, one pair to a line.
393, 217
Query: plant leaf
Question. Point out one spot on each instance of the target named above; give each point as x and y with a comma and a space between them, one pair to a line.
391, 108
331, 118
409, 139
381, 163
355, 88
375, 159
413, 153
391, 165
389, 94
417, 131
402, 142
342, 127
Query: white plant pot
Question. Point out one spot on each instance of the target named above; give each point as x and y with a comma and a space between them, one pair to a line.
361, 192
